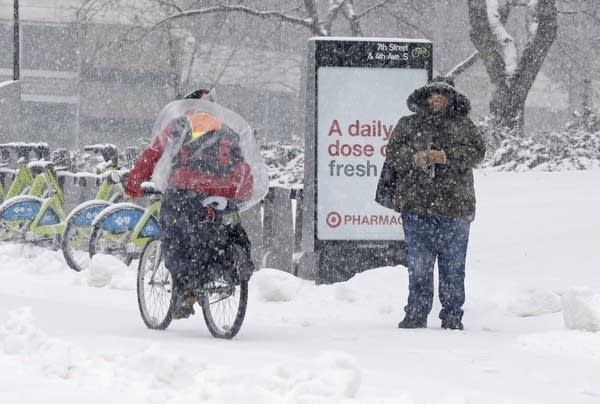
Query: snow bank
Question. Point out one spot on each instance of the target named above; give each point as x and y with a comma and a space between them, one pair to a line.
332, 377
581, 309
276, 286
19, 337
536, 302
155, 375
106, 270
31, 259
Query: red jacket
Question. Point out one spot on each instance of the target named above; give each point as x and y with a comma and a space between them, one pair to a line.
237, 185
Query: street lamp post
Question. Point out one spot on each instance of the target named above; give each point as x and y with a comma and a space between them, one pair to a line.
16, 55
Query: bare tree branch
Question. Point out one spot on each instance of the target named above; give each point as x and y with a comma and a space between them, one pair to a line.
463, 66
401, 19
373, 8
350, 14
308, 23
332, 12
225, 66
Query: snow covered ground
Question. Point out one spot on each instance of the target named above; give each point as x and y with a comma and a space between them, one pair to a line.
533, 268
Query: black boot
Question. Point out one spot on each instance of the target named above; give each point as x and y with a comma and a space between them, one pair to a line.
413, 322
186, 298
452, 324
184, 306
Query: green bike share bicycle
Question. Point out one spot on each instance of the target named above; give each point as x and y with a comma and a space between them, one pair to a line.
78, 227
37, 218
123, 229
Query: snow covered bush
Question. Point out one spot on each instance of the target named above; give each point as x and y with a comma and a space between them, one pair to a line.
284, 162
573, 149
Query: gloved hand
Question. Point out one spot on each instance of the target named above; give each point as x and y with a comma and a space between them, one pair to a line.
218, 202
425, 158
436, 156
133, 193
421, 159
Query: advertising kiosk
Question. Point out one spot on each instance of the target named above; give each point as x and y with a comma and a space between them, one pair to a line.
356, 92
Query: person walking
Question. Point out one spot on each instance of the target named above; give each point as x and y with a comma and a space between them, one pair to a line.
432, 153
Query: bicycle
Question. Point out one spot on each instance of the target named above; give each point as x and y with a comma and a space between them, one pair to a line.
124, 228
223, 298
37, 217
78, 227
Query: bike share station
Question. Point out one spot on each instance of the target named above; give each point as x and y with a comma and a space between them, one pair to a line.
356, 92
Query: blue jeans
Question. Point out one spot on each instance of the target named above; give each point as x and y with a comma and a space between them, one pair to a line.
427, 238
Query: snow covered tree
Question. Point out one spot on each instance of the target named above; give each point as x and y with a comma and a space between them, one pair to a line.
511, 70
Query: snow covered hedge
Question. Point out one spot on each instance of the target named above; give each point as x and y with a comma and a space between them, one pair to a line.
285, 163
572, 149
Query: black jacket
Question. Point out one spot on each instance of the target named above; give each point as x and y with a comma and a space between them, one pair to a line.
450, 192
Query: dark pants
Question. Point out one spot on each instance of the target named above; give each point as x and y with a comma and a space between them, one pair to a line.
195, 250
428, 238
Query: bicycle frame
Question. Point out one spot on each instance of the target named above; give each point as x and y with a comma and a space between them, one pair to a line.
126, 227
51, 216
145, 228
146, 224
22, 181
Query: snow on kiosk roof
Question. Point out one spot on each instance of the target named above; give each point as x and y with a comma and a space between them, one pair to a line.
367, 39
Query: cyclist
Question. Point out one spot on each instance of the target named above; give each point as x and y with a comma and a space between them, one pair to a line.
207, 167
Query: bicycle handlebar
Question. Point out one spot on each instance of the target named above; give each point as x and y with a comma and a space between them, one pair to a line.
41, 150
109, 152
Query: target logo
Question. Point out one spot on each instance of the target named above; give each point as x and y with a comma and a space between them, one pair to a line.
333, 219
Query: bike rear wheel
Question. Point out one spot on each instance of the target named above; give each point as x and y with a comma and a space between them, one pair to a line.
224, 304
155, 288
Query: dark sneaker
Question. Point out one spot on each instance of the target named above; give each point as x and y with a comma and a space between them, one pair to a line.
452, 324
411, 322
184, 307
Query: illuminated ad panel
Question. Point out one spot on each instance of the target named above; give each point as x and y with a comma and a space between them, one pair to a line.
361, 88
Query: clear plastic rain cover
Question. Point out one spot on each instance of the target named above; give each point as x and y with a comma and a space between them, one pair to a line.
176, 111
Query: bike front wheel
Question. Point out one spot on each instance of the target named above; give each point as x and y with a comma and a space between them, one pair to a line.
224, 304
155, 288
76, 236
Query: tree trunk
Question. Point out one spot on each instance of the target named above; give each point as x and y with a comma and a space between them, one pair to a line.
507, 108
511, 74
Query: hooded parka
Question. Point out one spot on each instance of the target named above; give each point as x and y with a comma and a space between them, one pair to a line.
448, 189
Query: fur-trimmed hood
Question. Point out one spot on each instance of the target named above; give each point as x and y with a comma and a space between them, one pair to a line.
417, 101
